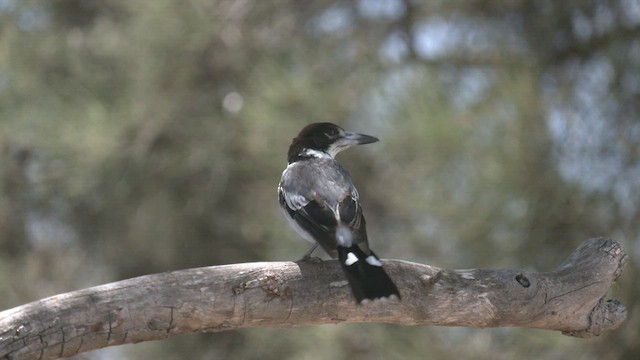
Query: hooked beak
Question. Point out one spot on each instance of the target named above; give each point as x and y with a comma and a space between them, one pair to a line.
351, 138
348, 140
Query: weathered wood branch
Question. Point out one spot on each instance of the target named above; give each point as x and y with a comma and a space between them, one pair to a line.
218, 298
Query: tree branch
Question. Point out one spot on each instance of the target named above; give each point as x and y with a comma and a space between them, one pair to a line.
219, 298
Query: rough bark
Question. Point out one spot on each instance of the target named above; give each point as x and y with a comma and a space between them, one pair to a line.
570, 299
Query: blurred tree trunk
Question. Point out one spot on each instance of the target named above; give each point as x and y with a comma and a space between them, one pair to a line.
13, 189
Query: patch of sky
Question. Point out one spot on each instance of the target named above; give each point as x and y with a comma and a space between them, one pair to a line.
395, 48
381, 9
438, 37
336, 20
32, 19
630, 12
588, 144
7, 5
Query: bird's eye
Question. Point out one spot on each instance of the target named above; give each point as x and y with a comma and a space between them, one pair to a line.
331, 132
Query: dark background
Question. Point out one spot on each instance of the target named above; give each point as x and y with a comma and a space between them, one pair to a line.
140, 137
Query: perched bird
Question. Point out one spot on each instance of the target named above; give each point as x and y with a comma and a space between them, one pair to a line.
323, 206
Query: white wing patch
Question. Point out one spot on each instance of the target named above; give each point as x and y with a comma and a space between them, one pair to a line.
355, 195
295, 201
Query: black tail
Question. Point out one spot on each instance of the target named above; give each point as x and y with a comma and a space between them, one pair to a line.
365, 274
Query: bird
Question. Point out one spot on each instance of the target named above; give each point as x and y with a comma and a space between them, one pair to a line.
323, 206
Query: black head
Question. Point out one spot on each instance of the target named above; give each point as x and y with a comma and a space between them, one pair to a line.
327, 138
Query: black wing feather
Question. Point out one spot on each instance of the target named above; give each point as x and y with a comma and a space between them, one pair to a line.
320, 223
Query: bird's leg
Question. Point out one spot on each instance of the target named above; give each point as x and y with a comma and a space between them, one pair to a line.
307, 255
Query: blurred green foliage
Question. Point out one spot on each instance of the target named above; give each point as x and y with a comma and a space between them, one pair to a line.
140, 137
